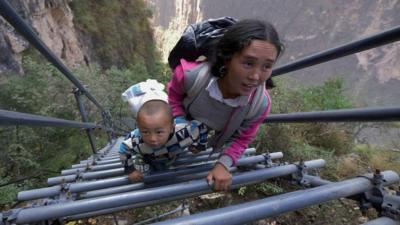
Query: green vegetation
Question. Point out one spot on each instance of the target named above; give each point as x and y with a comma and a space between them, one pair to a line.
307, 140
119, 32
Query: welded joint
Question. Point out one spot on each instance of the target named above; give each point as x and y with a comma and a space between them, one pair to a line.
77, 92
88, 166
79, 176
268, 161
378, 179
93, 163
65, 192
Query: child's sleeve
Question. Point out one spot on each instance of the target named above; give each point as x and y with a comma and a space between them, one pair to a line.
126, 156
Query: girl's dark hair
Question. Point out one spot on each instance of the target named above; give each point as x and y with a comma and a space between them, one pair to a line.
239, 36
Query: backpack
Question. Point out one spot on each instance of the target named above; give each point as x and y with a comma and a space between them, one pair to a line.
198, 40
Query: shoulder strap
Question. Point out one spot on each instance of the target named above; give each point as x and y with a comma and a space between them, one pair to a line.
237, 117
259, 100
197, 80
200, 74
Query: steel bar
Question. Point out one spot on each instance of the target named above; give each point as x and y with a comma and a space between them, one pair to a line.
109, 173
85, 119
205, 158
180, 161
168, 178
177, 191
111, 191
85, 176
382, 221
315, 181
383, 114
115, 157
92, 168
112, 182
102, 161
382, 38
276, 205
131, 187
18, 118
117, 209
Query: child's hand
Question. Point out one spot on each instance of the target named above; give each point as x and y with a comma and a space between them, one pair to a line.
136, 176
196, 148
193, 149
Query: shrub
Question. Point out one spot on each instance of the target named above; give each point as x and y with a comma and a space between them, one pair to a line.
307, 141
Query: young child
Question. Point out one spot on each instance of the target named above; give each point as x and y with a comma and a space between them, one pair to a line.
157, 141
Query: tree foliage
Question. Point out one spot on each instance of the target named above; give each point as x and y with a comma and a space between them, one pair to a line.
119, 31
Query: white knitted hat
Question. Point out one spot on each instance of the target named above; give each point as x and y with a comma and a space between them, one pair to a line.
143, 92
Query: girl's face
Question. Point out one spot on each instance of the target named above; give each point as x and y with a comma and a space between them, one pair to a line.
248, 69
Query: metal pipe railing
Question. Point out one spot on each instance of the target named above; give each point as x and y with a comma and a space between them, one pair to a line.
18, 118
104, 161
118, 171
343, 115
178, 176
113, 182
180, 161
114, 157
157, 195
363, 44
82, 111
276, 205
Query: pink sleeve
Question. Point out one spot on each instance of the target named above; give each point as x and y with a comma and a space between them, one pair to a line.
176, 90
241, 143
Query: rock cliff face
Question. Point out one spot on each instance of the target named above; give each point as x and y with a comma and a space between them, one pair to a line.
52, 21
372, 77
170, 19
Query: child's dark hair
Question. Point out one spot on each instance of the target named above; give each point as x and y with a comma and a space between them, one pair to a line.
154, 107
238, 37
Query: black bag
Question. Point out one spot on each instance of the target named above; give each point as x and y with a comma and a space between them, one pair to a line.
199, 40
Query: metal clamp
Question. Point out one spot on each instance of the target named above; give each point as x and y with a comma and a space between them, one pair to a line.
300, 176
9, 217
391, 206
268, 161
65, 192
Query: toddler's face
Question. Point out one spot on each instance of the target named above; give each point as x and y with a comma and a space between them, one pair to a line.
155, 129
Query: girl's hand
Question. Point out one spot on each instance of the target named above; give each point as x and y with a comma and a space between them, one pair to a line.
221, 178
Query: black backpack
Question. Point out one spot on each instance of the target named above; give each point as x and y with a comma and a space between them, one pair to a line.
199, 40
